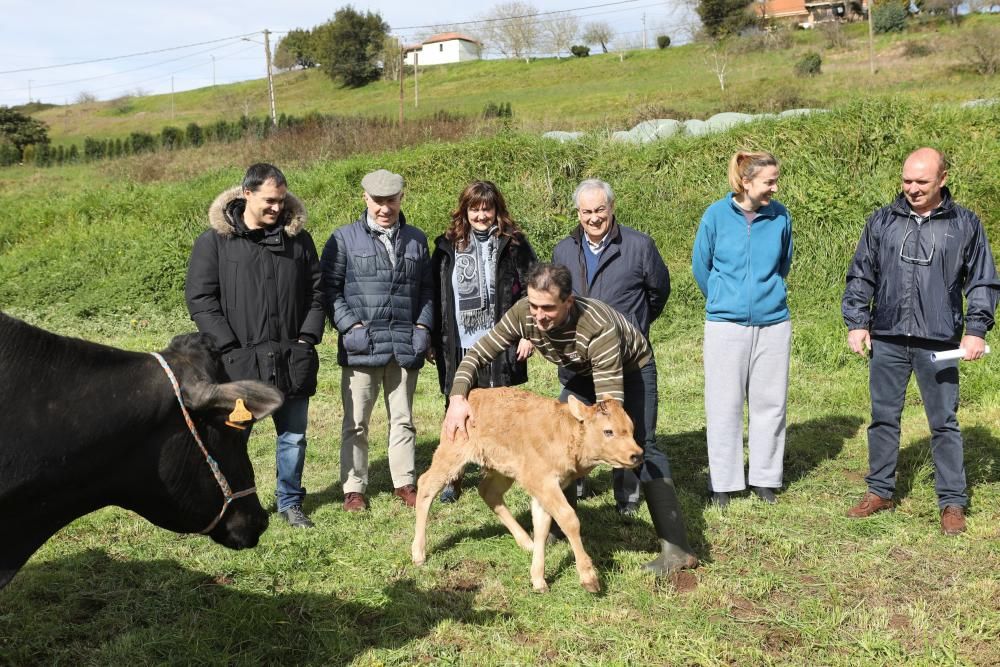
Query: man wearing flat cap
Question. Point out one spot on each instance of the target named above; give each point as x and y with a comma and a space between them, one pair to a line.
378, 295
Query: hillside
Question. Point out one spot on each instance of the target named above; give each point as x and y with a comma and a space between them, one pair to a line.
87, 251
605, 90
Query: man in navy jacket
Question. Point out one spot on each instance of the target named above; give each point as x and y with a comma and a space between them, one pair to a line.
903, 303
623, 268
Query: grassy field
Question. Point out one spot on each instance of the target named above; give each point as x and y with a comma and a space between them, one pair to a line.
603, 91
94, 254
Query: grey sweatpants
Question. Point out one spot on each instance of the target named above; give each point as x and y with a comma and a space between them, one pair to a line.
746, 364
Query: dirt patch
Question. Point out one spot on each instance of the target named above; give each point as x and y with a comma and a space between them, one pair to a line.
684, 581
744, 610
465, 577
853, 475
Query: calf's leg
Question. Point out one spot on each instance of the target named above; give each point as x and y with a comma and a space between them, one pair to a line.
541, 523
492, 489
550, 496
448, 462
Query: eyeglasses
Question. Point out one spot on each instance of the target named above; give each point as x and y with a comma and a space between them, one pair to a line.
919, 261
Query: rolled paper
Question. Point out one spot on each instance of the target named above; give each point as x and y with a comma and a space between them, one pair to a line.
947, 355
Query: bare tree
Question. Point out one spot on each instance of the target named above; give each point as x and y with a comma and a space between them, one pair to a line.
598, 32
559, 32
717, 60
512, 29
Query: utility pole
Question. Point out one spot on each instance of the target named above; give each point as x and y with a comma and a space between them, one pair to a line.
213, 71
871, 40
29, 91
416, 79
171, 97
644, 30
270, 79
402, 72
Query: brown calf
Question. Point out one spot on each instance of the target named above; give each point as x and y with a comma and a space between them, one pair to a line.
541, 444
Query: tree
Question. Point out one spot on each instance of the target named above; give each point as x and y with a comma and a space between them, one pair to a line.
22, 130
717, 60
392, 55
512, 29
349, 46
598, 32
296, 49
725, 17
559, 32
662, 41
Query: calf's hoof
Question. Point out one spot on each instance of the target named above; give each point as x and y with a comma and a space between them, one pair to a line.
540, 586
418, 557
591, 584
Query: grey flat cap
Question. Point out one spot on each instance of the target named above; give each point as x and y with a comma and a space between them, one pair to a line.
382, 183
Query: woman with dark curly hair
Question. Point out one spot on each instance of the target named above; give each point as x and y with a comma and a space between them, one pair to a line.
480, 264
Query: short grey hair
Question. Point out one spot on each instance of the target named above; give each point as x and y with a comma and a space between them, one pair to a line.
593, 184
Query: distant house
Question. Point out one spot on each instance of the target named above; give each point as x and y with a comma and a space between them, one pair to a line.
447, 47
807, 13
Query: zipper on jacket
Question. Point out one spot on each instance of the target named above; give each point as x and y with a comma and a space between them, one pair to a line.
749, 275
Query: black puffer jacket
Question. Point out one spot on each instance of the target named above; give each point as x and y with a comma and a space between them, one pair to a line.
893, 296
514, 258
257, 293
362, 286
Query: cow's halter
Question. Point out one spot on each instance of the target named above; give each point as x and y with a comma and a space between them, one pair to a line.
227, 493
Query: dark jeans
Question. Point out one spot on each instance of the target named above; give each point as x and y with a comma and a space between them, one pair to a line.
641, 402
892, 362
290, 422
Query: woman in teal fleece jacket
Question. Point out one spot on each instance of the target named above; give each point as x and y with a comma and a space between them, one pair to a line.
742, 254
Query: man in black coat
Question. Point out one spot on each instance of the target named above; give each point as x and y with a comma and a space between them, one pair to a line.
378, 291
253, 284
623, 268
916, 259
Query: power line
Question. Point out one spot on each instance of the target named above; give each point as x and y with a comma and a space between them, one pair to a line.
105, 76
129, 55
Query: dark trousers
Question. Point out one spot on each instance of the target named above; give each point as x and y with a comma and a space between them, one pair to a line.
892, 362
641, 403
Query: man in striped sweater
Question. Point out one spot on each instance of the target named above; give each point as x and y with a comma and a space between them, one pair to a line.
588, 338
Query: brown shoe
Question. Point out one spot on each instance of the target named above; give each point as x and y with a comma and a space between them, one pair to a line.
953, 520
408, 494
355, 502
870, 504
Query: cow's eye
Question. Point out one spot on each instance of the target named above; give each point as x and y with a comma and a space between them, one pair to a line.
608, 433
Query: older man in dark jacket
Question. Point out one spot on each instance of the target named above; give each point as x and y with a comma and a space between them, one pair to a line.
253, 284
623, 268
902, 304
378, 290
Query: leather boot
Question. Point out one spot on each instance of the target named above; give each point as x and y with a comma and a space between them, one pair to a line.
665, 510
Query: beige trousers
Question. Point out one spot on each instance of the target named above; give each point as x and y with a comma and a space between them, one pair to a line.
359, 389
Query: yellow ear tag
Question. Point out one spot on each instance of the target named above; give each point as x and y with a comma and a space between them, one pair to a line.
239, 416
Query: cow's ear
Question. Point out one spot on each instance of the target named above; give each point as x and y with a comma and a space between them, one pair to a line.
577, 408
259, 398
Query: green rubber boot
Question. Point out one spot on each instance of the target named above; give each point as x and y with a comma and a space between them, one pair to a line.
665, 510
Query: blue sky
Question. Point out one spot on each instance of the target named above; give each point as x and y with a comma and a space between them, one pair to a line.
43, 33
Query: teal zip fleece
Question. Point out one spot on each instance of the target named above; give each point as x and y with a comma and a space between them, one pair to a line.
741, 267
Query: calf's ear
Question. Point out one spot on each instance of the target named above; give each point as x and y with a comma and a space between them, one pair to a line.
258, 397
577, 408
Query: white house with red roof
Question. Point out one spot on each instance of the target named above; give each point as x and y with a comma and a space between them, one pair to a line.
447, 47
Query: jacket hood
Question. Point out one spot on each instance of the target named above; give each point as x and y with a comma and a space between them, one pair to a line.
293, 217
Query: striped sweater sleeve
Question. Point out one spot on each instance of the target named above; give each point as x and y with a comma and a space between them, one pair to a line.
604, 348
506, 332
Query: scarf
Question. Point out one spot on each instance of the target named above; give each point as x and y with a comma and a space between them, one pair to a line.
386, 236
475, 280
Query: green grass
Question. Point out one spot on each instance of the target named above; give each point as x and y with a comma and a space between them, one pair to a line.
91, 254
608, 90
